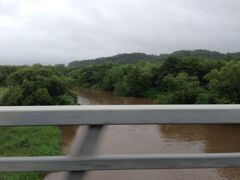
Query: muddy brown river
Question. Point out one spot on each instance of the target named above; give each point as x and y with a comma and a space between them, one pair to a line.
127, 139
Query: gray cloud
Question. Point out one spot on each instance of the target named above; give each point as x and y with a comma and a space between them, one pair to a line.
59, 31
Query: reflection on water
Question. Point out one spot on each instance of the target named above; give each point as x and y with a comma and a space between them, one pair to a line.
158, 139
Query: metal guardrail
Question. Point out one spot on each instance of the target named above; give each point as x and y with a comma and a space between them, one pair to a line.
83, 159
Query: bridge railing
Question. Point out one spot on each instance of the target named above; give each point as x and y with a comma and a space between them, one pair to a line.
83, 159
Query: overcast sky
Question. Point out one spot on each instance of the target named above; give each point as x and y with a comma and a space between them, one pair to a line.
59, 31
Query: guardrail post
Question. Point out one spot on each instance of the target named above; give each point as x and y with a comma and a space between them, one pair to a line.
86, 147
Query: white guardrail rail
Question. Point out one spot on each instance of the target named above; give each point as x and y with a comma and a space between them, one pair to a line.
95, 117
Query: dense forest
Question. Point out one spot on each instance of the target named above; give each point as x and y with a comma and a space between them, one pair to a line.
182, 77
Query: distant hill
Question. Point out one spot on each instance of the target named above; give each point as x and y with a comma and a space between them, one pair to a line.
234, 55
199, 53
136, 57
118, 59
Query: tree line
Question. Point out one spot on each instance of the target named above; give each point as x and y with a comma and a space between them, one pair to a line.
182, 77
130, 58
179, 79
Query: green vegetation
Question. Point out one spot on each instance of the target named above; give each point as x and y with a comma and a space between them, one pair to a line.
4, 72
29, 141
180, 89
33, 85
37, 85
184, 77
224, 84
2, 91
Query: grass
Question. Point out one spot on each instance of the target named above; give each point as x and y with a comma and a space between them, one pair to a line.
28, 141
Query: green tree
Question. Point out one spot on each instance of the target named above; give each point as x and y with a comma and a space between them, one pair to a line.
36, 85
180, 89
136, 81
193, 66
91, 76
224, 84
114, 75
5, 71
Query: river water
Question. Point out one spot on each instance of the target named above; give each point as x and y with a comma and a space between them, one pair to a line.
127, 139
